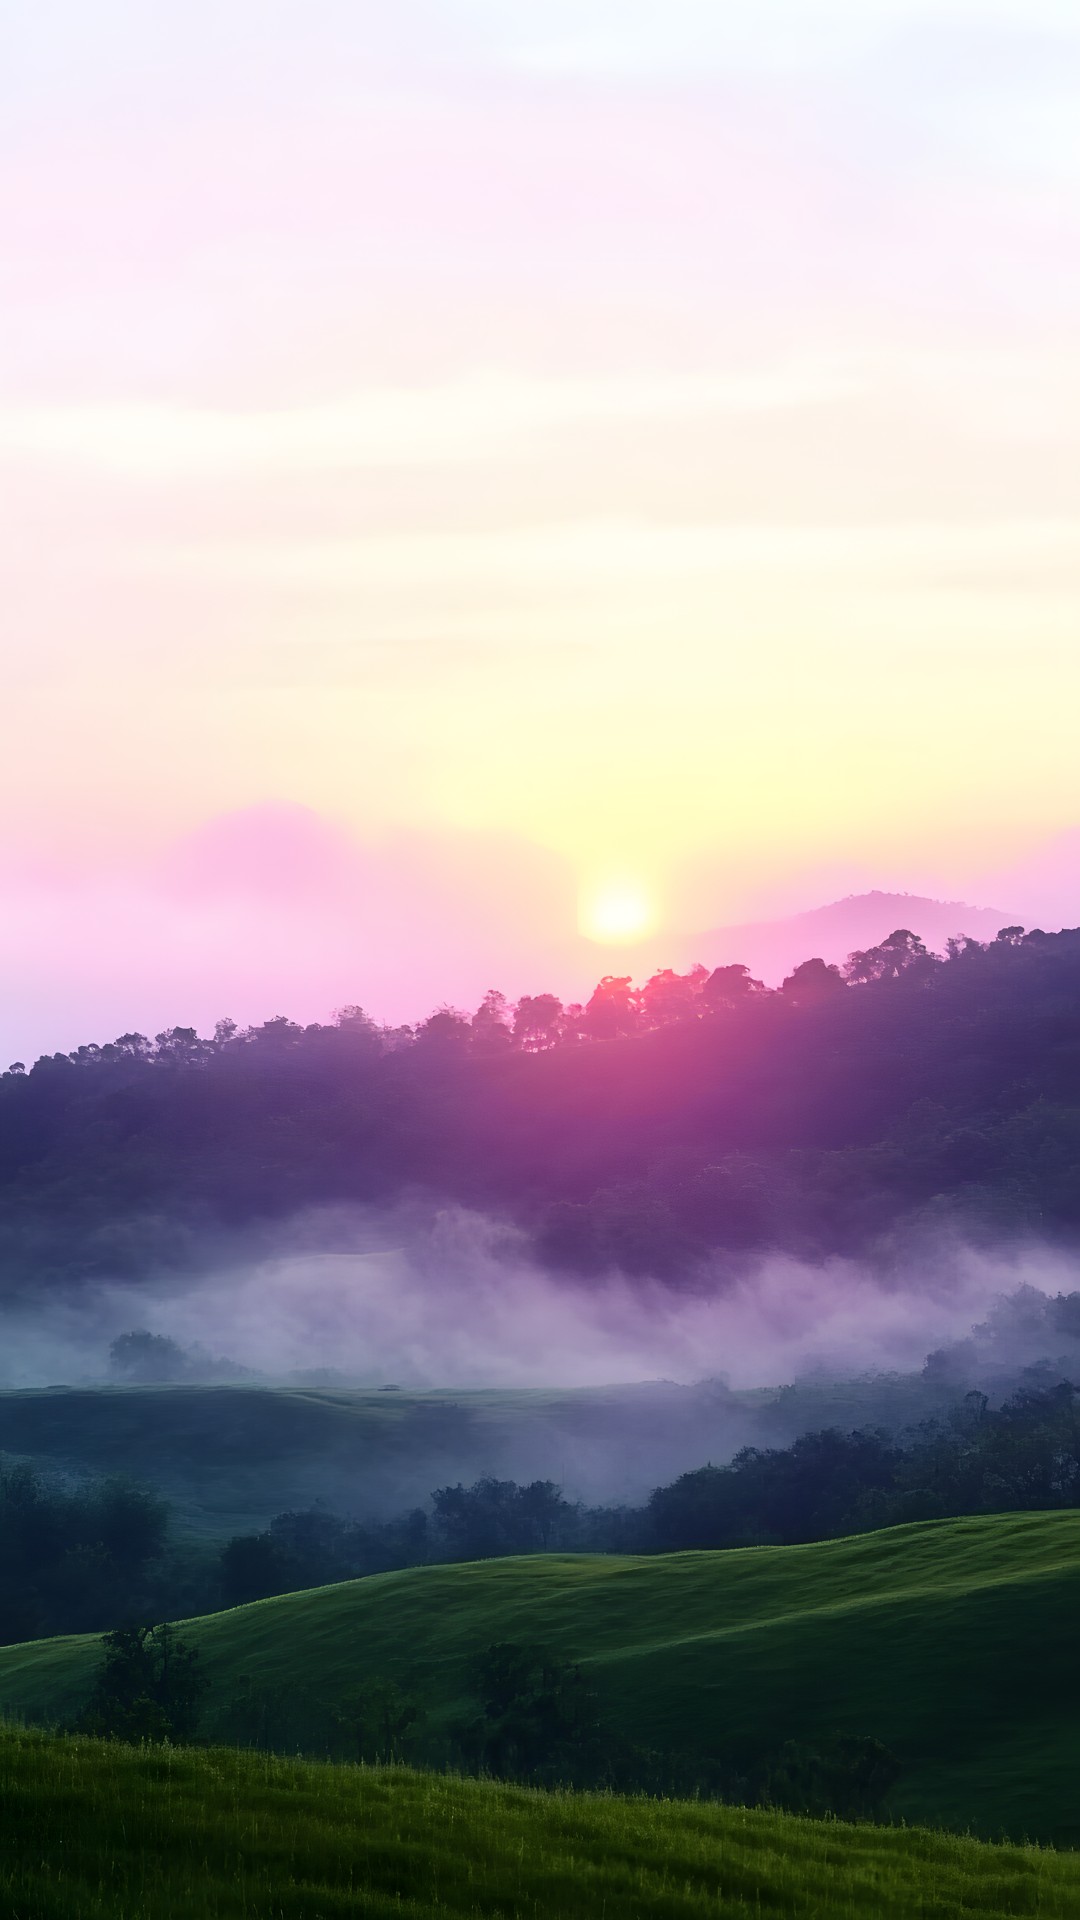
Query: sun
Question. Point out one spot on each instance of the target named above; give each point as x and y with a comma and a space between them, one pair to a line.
620, 912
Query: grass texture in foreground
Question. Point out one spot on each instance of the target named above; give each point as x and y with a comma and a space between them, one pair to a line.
104, 1832
954, 1642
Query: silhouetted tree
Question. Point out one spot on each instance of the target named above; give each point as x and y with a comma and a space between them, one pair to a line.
612, 1008
667, 996
446, 1031
537, 1019
378, 1721
729, 986
148, 1687
539, 1716
148, 1357
491, 1024
811, 982
896, 955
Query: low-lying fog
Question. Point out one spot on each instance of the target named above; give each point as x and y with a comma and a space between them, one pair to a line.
457, 1302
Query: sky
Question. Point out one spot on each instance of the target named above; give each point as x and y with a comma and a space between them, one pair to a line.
547, 472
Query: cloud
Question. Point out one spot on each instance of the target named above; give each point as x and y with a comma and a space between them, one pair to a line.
463, 421
456, 1299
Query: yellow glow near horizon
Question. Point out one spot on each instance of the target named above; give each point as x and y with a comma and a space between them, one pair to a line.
620, 911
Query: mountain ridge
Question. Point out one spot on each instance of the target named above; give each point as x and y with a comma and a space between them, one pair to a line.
772, 948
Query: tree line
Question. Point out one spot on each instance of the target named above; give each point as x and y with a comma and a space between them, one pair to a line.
80, 1559
1021, 1456
664, 1130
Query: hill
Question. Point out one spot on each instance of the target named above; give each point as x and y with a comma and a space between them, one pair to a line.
773, 948
953, 1642
228, 1458
650, 1132
186, 1835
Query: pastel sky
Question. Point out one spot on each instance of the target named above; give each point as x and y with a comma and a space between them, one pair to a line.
562, 445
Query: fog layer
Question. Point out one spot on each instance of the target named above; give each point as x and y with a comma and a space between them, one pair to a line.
456, 1302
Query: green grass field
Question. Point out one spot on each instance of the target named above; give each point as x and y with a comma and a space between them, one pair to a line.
954, 1642
99, 1832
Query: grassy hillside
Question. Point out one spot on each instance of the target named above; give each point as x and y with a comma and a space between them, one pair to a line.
182, 1835
230, 1457
954, 1642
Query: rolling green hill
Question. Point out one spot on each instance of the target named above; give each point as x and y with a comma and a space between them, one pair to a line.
182, 1835
954, 1642
229, 1457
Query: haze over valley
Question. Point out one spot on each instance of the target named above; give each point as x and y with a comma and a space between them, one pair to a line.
539, 960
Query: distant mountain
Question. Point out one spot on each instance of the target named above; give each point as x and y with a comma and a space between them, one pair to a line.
771, 948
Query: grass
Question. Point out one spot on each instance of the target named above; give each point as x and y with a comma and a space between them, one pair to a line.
98, 1832
954, 1642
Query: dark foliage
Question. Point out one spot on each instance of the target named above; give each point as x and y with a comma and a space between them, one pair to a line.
497, 1517
538, 1716
540, 1720
144, 1357
74, 1558
850, 1776
77, 1559
379, 1722
148, 1687
1023, 1455
650, 1129
315, 1548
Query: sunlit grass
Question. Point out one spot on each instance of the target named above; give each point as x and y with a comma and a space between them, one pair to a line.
104, 1832
953, 1642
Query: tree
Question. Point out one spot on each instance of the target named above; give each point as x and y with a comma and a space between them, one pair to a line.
148, 1687
729, 986
537, 1020
669, 996
539, 1715
491, 1024
848, 1775
812, 981
612, 1008
128, 1521
180, 1045
252, 1567
148, 1357
495, 1517
446, 1031
379, 1721
353, 1019
134, 1046
898, 953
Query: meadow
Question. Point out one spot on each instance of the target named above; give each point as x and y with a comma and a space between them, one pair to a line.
99, 1831
953, 1642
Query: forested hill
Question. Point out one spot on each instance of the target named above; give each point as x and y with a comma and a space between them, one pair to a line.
646, 1130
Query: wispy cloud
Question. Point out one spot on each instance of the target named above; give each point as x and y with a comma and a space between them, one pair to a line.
462, 421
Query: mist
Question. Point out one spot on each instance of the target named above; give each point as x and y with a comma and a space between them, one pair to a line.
633, 1382
455, 1300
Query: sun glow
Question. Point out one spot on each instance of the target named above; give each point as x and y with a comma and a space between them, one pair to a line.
618, 912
